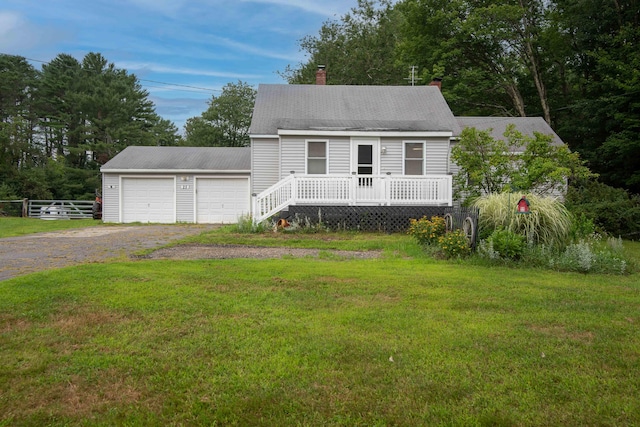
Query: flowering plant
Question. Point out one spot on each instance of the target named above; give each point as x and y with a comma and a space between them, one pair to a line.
454, 244
427, 231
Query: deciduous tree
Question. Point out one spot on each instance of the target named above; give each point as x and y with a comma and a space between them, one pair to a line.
527, 163
226, 122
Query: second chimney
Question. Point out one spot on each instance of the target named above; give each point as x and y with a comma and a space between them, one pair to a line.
321, 75
437, 81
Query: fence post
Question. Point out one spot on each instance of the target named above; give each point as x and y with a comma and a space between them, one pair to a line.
25, 208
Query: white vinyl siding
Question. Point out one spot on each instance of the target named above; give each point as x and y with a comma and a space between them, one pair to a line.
185, 188
453, 166
293, 156
340, 155
391, 157
265, 164
437, 157
110, 197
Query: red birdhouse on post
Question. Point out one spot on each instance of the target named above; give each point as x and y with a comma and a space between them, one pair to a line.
523, 206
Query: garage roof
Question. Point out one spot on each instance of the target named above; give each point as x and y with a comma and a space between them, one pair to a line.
180, 159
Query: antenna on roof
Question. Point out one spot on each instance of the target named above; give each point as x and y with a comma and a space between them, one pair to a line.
413, 77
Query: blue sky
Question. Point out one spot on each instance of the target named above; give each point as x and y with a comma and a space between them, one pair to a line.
198, 43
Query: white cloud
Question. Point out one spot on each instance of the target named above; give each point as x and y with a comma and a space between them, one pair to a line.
18, 34
160, 68
254, 50
164, 6
324, 8
9, 21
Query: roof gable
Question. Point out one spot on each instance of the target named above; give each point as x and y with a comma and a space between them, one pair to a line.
204, 159
350, 108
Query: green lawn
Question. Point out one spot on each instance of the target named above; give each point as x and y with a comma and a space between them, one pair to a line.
11, 226
399, 340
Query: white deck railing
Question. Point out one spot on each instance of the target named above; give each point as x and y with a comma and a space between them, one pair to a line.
353, 190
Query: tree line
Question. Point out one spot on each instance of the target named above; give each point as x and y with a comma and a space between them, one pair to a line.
573, 62
60, 123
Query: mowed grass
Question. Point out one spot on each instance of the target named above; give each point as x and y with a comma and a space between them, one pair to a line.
344, 240
11, 227
389, 341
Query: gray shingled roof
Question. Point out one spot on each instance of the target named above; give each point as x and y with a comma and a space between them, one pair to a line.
351, 108
209, 159
498, 125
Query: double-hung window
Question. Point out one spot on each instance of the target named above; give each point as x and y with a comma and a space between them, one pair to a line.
414, 158
317, 157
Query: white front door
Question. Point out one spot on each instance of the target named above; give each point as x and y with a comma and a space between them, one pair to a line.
365, 164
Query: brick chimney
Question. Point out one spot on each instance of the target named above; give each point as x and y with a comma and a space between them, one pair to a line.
321, 75
437, 81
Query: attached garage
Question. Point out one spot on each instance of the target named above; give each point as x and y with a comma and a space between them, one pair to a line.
177, 184
148, 200
218, 201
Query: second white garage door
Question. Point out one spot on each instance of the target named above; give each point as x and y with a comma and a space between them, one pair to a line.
221, 200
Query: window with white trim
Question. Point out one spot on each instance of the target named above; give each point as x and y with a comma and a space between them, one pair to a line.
414, 158
317, 157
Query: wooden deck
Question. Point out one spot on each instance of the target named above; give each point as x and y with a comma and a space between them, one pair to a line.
354, 190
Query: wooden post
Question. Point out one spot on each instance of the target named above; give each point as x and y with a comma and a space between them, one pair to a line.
25, 208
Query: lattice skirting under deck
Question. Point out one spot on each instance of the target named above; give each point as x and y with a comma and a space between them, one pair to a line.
389, 219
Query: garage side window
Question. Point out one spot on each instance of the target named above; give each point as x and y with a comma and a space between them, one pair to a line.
317, 157
414, 158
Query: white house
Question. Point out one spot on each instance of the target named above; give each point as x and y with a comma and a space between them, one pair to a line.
373, 148
350, 145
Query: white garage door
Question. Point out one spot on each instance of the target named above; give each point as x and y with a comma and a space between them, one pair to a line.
221, 200
148, 200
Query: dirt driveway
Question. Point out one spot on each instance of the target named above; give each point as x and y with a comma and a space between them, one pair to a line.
36, 252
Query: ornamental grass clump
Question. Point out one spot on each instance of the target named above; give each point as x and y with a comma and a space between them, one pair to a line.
454, 244
427, 231
548, 222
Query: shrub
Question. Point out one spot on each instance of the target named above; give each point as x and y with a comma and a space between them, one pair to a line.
582, 227
454, 244
583, 257
613, 210
549, 222
304, 225
246, 225
427, 231
507, 244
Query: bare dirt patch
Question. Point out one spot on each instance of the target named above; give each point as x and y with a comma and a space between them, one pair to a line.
192, 252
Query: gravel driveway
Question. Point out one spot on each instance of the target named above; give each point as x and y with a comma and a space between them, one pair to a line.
36, 252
